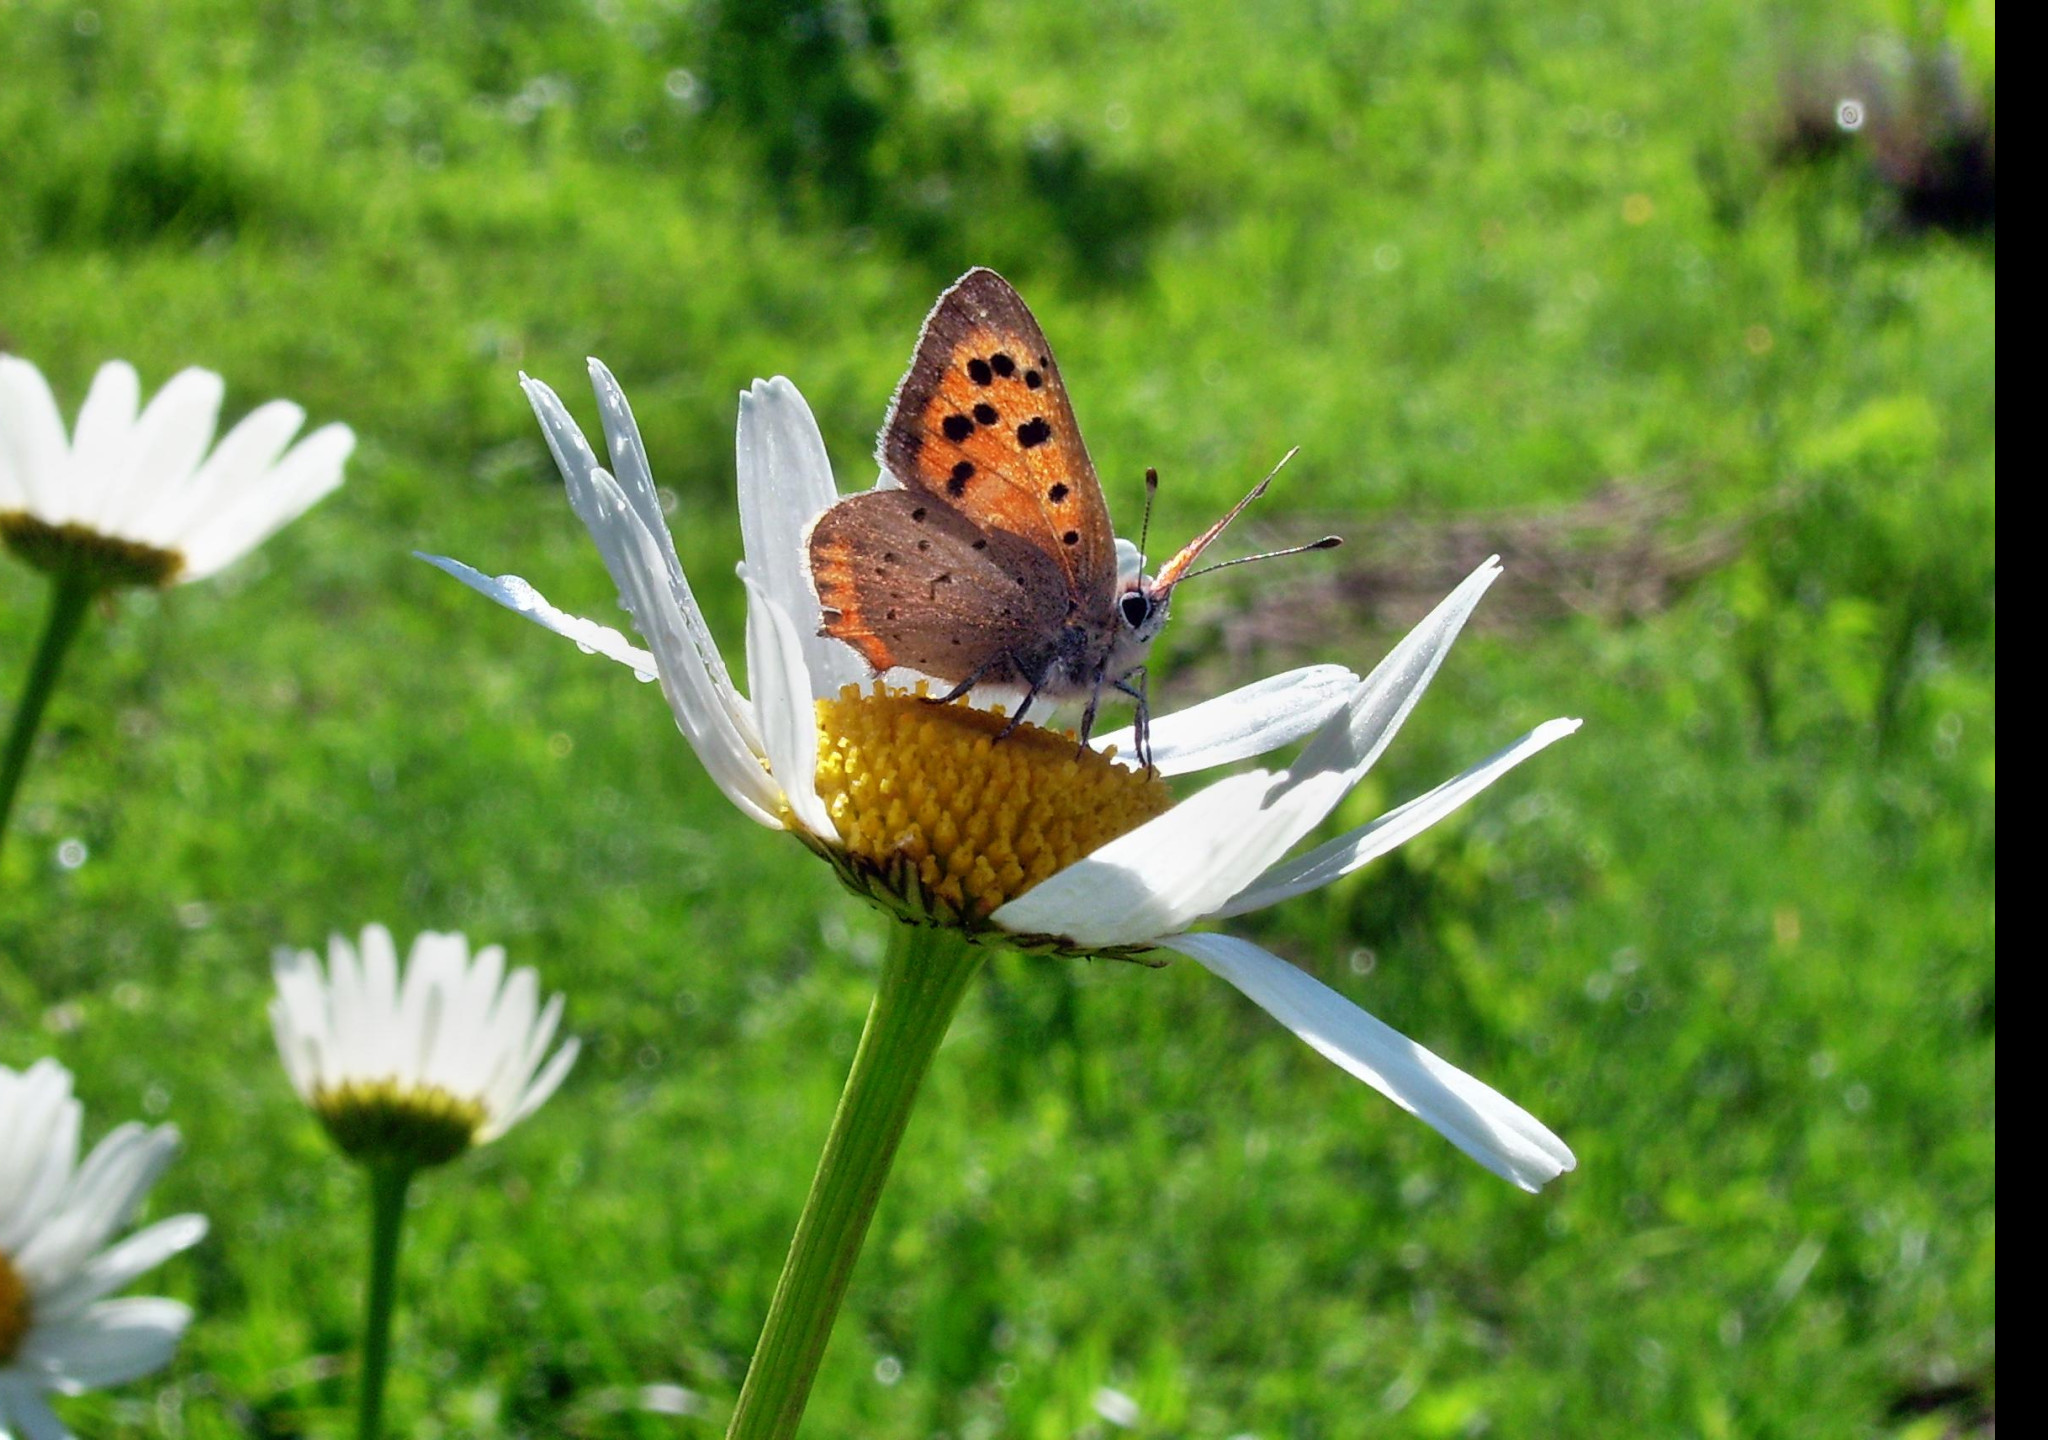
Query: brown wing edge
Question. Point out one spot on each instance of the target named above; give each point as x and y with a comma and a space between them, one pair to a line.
841, 612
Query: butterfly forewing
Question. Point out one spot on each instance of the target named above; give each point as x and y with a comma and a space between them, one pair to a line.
982, 424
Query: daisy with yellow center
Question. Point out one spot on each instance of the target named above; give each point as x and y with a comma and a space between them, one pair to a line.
133, 498
58, 1333
408, 1071
1018, 841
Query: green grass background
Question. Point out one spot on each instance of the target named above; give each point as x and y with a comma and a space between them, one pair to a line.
1734, 941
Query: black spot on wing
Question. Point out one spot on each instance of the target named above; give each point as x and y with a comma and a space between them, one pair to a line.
978, 372
1072, 537
1032, 379
956, 483
957, 427
1034, 432
1002, 364
986, 413
1058, 492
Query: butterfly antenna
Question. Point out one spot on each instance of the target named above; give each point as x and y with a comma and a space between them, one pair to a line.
1328, 542
1151, 494
1176, 569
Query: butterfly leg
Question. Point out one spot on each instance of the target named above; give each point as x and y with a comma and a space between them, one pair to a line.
1142, 721
1088, 716
973, 679
1022, 705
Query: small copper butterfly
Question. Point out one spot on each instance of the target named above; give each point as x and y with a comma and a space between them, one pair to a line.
995, 562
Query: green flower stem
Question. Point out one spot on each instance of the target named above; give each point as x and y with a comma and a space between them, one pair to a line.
924, 976
70, 592
389, 1181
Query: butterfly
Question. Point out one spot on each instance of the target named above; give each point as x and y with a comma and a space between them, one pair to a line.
994, 562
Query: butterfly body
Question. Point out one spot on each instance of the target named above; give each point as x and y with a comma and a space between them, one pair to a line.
992, 560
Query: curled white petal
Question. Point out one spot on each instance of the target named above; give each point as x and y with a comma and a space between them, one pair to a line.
1254, 719
516, 595
1397, 827
710, 712
640, 556
1476, 1118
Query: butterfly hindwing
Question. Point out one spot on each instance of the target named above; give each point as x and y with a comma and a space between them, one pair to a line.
982, 424
909, 582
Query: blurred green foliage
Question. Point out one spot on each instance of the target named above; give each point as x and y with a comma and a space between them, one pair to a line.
1735, 941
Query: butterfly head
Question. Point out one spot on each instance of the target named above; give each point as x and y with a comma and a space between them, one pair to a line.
1141, 605
1142, 600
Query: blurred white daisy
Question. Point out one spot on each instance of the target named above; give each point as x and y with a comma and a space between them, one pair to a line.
415, 1069
1023, 843
133, 497
58, 1334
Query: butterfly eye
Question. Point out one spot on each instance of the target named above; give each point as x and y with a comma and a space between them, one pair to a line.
1136, 609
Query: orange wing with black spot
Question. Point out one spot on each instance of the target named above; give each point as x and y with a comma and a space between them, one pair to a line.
982, 425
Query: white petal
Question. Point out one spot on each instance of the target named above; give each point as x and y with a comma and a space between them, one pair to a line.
1349, 852
22, 1406
1130, 561
1172, 871
244, 455
693, 692
586, 481
120, 1265
1157, 878
164, 448
629, 459
784, 710
33, 448
101, 443
101, 1198
39, 1123
311, 469
1254, 719
1485, 1124
546, 1083
785, 484
522, 599
112, 1343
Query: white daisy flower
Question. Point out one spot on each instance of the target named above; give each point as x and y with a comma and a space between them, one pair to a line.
58, 1335
415, 1068
133, 497
1023, 843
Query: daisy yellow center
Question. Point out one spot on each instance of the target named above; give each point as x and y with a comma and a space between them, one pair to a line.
940, 817
391, 1120
14, 1309
74, 549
